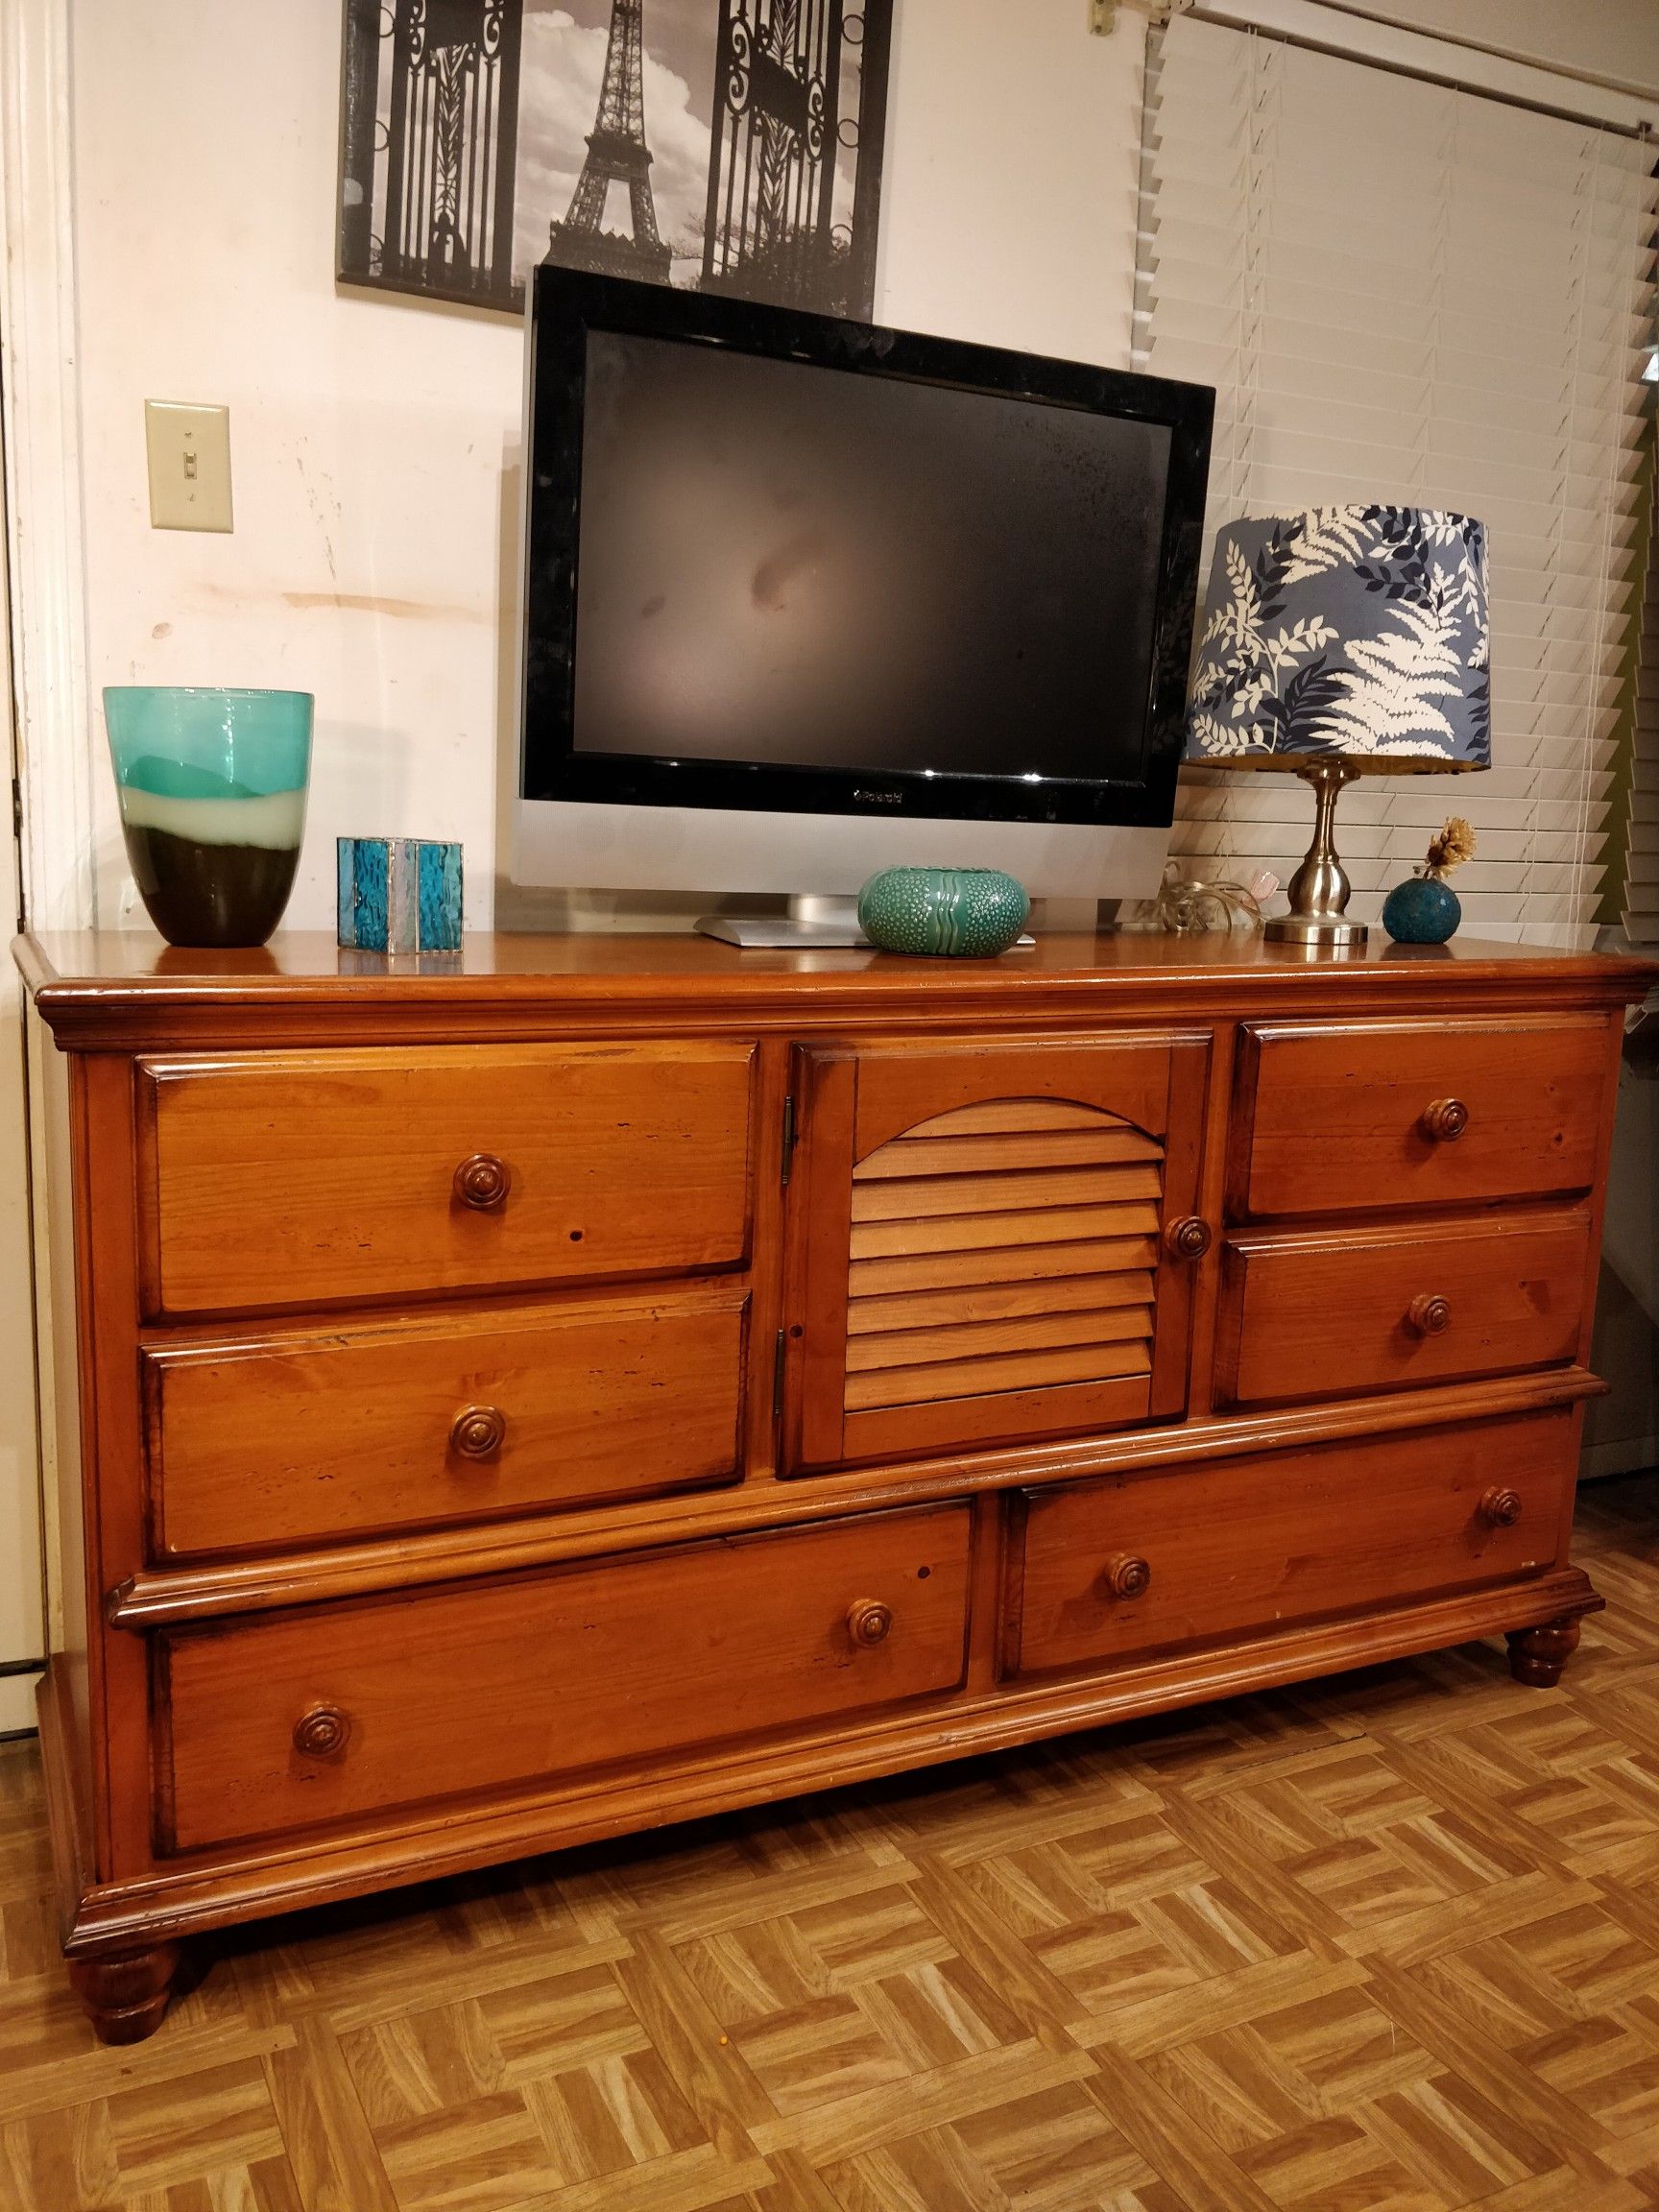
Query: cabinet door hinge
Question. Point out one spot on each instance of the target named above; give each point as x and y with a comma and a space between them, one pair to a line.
788, 1155
17, 808
778, 1377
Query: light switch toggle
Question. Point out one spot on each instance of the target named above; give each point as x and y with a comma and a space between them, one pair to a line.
189, 454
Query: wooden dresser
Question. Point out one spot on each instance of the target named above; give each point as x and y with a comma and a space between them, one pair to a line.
589, 1382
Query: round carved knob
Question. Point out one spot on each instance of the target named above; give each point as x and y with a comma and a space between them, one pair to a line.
1126, 1576
477, 1431
868, 1621
1444, 1120
321, 1733
1428, 1314
482, 1181
1188, 1238
1499, 1508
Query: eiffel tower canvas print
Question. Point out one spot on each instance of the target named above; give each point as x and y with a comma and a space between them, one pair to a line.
728, 145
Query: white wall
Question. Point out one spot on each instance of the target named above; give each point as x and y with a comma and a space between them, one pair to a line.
369, 438
1013, 157
375, 443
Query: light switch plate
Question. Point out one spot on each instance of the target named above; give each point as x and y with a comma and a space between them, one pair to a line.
189, 450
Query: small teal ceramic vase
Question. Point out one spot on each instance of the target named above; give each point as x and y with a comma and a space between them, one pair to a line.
1423, 910
968, 913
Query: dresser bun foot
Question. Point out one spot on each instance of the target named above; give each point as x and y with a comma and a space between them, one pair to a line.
125, 1998
1537, 1655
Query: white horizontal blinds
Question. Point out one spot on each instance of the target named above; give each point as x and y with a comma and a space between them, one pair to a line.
1642, 852
1409, 294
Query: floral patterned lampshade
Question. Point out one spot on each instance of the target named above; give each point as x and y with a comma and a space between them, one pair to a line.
1358, 634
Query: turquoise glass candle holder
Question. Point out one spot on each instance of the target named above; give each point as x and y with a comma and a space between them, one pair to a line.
212, 786
400, 895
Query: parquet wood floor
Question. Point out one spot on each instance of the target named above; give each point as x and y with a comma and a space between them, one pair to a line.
1385, 1941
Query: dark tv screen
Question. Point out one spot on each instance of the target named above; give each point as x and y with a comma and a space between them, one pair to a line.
801, 566
780, 562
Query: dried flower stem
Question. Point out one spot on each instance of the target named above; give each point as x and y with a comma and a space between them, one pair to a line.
1454, 845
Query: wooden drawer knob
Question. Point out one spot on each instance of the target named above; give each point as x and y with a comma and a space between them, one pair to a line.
867, 1621
1499, 1508
482, 1181
1126, 1575
321, 1733
1428, 1314
1187, 1238
478, 1432
1445, 1120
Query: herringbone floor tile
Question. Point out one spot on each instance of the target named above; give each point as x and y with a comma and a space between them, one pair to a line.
1388, 1943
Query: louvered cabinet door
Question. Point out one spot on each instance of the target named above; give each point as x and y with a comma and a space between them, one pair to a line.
984, 1243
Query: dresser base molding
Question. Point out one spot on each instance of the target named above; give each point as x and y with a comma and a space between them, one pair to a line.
109, 1921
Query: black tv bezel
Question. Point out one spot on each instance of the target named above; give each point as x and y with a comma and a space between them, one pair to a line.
566, 304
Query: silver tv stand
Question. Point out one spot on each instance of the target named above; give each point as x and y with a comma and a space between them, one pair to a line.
813, 922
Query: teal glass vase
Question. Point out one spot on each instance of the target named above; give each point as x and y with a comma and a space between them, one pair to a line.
212, 786
962, 913
1423, 910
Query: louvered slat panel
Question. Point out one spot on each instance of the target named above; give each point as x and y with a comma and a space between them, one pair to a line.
1007, 1246
878, 1240
998, 1301
970, 1339
927, 1198
1017, 1263
910, 1155
1005, 1118
981, 1378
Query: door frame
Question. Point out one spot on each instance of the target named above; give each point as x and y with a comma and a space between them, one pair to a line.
46, 872
40, 440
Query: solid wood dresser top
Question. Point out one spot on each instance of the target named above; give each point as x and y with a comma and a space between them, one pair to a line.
109, 988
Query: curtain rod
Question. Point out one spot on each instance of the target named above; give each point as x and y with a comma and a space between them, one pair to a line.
1243, 19
1371, 15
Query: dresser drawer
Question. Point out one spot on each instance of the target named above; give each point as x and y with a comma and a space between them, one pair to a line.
1140, 1564
1332, 1119
274, 1180
332, 1712
309, 1435
1378, 1310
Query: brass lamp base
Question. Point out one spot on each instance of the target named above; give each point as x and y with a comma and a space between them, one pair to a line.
1319, 891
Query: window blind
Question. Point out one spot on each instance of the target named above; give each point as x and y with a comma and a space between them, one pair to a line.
1416, 295
1641, 848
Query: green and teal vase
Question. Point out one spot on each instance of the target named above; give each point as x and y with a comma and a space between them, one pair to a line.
212, 786
1423, 910
966, 913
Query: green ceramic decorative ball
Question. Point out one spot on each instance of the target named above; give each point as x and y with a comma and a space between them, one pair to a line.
967, 913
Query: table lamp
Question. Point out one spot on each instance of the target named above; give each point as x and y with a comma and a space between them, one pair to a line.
1347, 642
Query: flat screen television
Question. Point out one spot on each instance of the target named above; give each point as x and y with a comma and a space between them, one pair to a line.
805, 597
